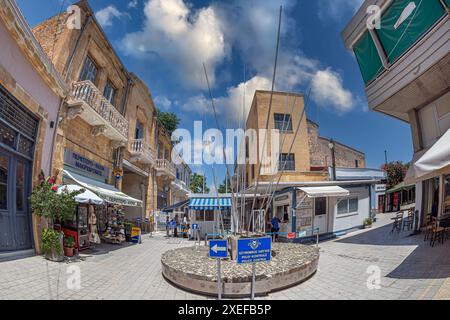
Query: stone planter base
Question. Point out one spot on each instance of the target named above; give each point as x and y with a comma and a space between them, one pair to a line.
191, 269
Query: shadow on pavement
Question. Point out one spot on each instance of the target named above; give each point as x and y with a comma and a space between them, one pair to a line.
425, 262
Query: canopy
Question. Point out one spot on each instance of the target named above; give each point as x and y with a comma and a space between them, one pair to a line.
401, 186
85, 197
329, 191
432, 163
103, 190
210, 203
175, 206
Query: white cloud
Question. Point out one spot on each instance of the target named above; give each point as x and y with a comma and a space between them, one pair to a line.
183, 37
163, 103
133, 4
335, 11
327, 90
198, 104
106, 15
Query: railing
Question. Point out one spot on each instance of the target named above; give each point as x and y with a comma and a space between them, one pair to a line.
139, 147
88, 92
166, 165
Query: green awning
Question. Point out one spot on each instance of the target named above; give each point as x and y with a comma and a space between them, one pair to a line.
448, 3
400, 187
405, 22
368, 58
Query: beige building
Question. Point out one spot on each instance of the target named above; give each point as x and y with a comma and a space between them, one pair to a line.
307, 155
408, 78
311, 183
109, 136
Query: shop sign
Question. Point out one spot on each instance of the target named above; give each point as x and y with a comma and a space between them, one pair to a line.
254, 250
136, 235
380, 187
86, 165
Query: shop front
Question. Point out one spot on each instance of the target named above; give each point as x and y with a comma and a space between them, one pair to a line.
100, 214
211, 214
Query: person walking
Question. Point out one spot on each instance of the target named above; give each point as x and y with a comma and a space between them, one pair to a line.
167, 225
176, 226
275, 228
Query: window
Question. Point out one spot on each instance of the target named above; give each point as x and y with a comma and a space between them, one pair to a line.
110, 92
346, 206
283, 122
253, 171
139, 132
320, 206
89, 71
356, 164
287, 162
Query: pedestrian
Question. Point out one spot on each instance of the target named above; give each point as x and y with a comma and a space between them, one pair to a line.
275, 228
167, 225
151, 225
176, 226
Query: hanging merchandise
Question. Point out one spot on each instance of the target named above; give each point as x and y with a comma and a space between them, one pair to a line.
93, 234
114, 229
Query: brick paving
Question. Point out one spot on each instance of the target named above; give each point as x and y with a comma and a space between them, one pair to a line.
409, 269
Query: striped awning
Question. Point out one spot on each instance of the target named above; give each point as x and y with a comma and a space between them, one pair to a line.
209, 203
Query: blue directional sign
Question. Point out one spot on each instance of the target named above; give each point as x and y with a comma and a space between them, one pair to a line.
172, 224
195, 226
218, 249
254, 250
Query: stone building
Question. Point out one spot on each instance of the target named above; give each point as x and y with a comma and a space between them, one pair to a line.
321, 154
289, 176
109, 134
31, 94
405, 66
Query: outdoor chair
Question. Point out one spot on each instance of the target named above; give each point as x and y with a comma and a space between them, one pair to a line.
398, 220
408, 222
437, 233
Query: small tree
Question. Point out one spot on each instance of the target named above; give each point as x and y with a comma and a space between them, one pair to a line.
225, 186
198, 182
396, 172
168, 120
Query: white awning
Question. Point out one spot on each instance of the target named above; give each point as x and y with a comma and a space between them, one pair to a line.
433, 162
86, 197
103, 190
331, 191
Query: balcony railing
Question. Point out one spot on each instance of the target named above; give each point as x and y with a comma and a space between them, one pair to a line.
142, 152
99, 112
165, 167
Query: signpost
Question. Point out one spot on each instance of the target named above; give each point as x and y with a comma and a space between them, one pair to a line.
252, 251
218, 249
196, 233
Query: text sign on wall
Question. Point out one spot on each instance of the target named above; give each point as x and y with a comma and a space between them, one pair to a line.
84, 164
254, 250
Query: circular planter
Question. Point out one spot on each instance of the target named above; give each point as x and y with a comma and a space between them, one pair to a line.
191, 269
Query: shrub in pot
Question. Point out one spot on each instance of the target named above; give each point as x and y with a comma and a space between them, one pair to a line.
51, 244
52, 205
368, 223
69, 245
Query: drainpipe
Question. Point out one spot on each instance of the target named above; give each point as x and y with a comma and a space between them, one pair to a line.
123, 109
64, 99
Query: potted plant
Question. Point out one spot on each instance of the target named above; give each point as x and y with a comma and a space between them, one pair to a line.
368, 223
69, 245
53, 206
51, 245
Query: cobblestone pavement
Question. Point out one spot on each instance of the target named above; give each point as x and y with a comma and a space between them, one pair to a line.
409, 269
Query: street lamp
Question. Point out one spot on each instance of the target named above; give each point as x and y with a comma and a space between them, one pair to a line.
332, 147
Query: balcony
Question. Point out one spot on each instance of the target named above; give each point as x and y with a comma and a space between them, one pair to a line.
165, 168
180, 187
141, 152
88, 103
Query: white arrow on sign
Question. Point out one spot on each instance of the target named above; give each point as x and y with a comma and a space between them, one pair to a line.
215, 248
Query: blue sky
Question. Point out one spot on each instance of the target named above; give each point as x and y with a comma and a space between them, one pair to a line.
165, 42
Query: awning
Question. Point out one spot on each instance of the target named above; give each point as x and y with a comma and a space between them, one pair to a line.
330, 191
400, 187
103, 190
87, 197
433, 162
175, 206
212, 203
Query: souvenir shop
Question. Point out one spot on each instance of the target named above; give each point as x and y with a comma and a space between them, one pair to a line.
100, 215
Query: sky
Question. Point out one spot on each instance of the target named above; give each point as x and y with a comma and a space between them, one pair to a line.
166, 43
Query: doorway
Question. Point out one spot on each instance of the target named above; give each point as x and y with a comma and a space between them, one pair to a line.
321, 215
